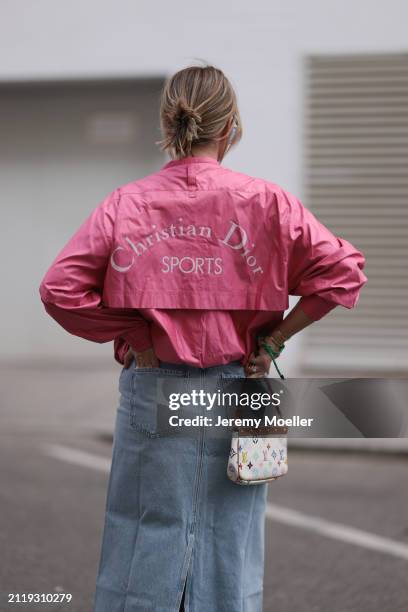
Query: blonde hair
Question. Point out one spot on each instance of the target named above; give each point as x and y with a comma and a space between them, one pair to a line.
196, 105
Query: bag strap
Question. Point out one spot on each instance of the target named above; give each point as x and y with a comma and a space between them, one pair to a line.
261, 384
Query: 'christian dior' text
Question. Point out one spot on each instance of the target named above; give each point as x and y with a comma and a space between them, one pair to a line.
236, 238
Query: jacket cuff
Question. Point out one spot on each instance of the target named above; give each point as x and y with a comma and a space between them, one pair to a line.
139, 339
315, 307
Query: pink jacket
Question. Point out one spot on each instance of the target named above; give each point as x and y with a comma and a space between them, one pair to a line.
196, 236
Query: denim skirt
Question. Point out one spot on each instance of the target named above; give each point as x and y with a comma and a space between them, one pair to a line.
175, 525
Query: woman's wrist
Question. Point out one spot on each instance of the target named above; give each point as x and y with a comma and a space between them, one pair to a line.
276, 338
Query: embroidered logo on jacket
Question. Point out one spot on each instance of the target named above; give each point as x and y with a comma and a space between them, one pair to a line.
236, 239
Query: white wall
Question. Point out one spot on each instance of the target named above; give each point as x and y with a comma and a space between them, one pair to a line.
260, 47
63, 149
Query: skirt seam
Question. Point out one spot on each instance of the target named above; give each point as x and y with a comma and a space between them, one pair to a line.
184, 577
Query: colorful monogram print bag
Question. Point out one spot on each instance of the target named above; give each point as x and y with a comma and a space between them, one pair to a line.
256, 457
258, 454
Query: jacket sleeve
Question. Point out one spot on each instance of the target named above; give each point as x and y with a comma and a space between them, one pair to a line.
315, 307
72, 288
326, 270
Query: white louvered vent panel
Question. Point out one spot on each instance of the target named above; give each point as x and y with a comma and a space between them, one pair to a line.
356, 183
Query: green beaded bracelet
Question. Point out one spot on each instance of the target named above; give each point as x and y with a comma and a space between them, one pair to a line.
270, 350
273, 354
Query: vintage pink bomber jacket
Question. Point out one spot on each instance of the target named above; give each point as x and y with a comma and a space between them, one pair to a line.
196, 235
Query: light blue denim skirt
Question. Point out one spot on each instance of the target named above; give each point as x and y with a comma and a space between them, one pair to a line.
174, 522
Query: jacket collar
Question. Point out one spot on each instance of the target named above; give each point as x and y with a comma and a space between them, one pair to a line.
192, 159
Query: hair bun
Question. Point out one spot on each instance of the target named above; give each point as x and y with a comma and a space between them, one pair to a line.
187, 122
185, 114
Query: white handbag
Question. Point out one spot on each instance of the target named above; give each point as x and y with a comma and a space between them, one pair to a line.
257, 457
258, 454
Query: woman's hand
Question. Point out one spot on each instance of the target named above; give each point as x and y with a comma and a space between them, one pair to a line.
143, 359
258, 365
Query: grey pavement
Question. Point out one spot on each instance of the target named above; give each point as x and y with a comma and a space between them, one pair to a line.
52, 508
